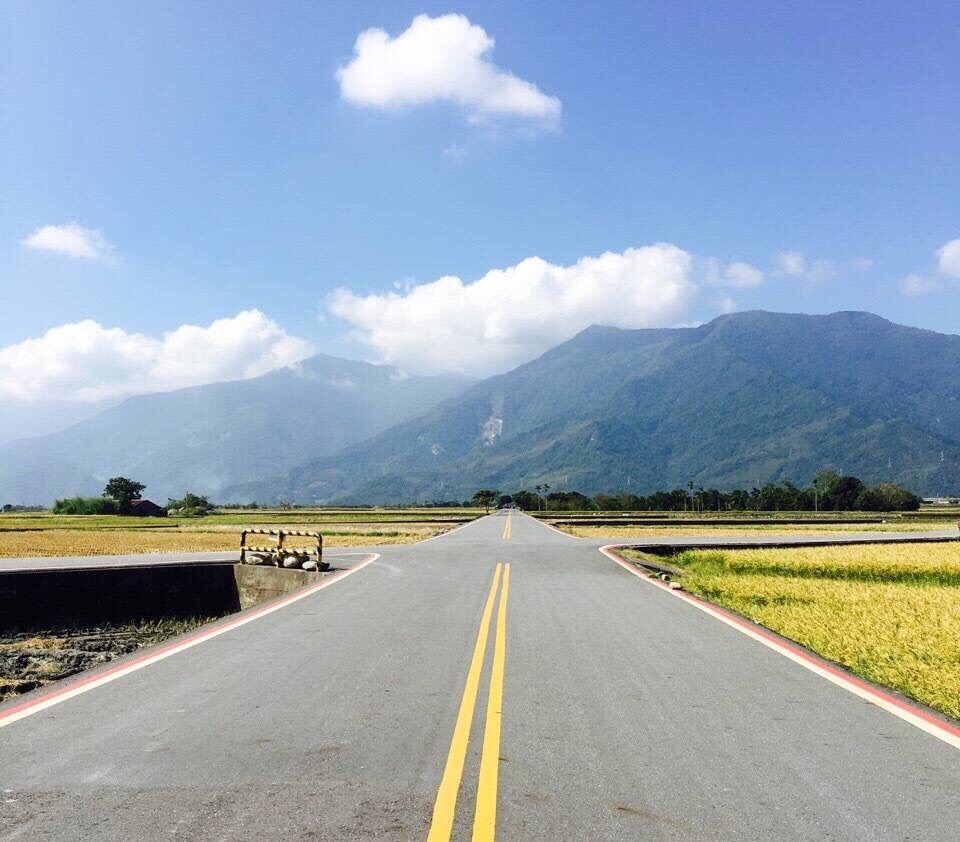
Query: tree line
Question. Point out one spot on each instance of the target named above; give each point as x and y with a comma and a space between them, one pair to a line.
118, 497
829, 492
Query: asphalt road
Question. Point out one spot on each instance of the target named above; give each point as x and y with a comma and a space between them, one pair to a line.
627, 714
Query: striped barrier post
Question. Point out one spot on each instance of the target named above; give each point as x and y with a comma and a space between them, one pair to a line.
278, 553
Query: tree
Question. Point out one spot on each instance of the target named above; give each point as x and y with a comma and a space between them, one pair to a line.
123, 491
526, 500
192, 505
485, 497
887, 497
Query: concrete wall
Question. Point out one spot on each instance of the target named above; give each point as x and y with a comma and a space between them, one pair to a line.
49, 599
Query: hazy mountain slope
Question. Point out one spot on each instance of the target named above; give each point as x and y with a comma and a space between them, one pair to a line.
207, 437
747, 398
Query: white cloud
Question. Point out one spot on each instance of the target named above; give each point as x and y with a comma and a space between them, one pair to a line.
454, 152
441, 59
71, 239
791, 262
862, 263
727, 305
84, 361
742, 275
511, 315
948, 259
738, 274
795, 265
914, 284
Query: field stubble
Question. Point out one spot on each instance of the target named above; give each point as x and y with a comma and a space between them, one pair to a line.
52, 535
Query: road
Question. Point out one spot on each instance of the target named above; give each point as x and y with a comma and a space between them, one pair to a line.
501, 681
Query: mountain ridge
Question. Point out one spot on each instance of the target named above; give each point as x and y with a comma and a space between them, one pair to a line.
203, 438
746, 398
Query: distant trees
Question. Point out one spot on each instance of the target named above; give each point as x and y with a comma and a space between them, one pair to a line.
123, 492
86, 506
485, 497
192, 505
829, 492
887, 497
526, 500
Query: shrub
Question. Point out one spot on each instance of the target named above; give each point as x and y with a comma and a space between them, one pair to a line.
86, 506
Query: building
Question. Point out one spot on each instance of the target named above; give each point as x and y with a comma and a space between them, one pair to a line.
146, 508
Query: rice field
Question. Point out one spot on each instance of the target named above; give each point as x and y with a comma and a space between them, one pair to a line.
66, 535
651, 532
891, 614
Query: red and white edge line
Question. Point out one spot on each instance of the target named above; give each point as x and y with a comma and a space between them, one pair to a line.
69, 689
913, 714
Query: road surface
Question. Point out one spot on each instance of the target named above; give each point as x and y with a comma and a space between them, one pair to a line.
501, 681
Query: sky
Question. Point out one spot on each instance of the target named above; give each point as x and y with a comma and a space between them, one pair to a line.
193, 191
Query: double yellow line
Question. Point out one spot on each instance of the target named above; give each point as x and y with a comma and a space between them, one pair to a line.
507, 528
485, 814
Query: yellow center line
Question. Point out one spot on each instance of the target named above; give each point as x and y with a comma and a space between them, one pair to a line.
485, 816
445, 806
507, 528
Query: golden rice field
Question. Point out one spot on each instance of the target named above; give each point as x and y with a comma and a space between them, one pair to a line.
117, 538
890, 614
648, 532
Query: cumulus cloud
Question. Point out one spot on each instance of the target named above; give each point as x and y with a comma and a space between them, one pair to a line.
737, 274
441, 59
915, 284
793, 264
71, 239
84, 361
948, 259
511, 315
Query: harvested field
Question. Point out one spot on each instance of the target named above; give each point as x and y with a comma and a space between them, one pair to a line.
52, 535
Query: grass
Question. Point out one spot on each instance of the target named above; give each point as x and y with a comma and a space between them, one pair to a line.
890, 614
44, 534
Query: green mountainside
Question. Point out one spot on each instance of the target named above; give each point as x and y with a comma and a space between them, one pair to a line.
204, 438
748, 398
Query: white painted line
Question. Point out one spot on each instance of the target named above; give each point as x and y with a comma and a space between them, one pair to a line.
448, 532
70, 688
901, 708
551, 526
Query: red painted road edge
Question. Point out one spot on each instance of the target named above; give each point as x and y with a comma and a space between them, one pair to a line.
88, 681
915, 714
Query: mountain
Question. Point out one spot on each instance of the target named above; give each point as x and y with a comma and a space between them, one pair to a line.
204, 438
748, 398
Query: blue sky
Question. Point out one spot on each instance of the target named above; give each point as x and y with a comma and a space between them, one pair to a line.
212, 148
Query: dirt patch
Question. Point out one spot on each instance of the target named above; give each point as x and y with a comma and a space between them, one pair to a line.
28, 661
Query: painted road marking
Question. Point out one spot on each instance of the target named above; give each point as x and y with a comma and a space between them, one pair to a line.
448, 532
558, 531
507, 529
914, 714
69, 689
485, 816
441, 826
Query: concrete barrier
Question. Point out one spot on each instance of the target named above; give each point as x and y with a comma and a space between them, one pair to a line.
36, 600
